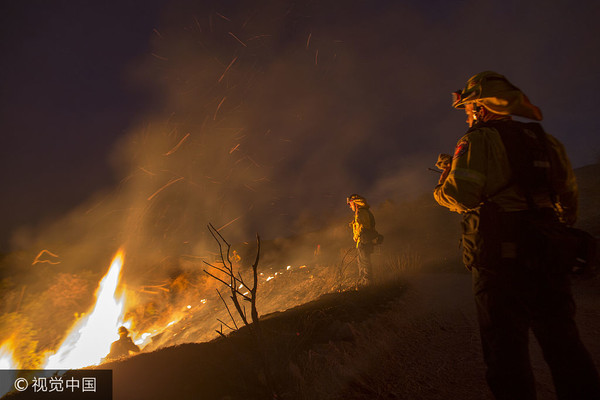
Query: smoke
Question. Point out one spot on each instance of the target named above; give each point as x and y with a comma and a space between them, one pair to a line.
270, 114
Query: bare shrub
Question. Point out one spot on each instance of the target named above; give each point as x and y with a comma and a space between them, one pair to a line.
234, 280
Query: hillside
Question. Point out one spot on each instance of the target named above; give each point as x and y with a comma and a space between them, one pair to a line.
411, 340
414, 341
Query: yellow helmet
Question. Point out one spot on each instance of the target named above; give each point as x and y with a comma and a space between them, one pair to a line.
358, 200
494, 92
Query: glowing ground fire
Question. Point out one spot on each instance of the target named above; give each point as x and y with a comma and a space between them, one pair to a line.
90, 339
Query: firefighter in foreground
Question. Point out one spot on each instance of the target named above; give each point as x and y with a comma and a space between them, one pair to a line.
365, 236
504, 178
123, 346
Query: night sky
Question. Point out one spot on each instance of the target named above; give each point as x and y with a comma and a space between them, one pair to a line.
323, 98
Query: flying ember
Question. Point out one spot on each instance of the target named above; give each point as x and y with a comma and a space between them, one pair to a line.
90, 339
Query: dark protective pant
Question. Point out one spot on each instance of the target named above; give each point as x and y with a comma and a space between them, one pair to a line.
365, 268
511, 300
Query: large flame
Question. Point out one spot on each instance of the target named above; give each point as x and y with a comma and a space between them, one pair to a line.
91, 337
7, 360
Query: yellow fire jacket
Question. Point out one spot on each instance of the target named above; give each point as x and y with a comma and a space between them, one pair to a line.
480, 168
363, 226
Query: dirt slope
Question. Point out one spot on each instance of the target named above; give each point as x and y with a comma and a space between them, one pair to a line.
412, 340
435, 342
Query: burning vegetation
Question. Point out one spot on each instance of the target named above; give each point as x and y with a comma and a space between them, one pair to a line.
242, 91
185, 305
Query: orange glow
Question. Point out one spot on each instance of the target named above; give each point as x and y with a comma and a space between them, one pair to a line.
90, 338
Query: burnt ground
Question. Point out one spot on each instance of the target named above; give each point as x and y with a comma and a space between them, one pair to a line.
412, 340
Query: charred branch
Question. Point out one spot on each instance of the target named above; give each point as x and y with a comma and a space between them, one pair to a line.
223, 323
228, 312
255, 282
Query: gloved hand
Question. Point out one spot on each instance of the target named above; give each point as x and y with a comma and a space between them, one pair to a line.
444, 162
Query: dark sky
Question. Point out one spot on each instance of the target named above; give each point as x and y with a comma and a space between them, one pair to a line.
66, 97
323, 98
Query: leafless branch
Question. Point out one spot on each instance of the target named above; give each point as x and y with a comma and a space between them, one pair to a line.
214, 277
215, 267
228, 311
220, 332
223, 323
255, 283
224, 252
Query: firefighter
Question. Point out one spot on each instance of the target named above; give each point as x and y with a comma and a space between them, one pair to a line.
495, 181
365, 236
123, 346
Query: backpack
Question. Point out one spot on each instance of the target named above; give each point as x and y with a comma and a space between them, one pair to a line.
530, 158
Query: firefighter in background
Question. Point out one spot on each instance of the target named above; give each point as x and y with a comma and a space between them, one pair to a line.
365, 236
235, 259
123, 346
516, 286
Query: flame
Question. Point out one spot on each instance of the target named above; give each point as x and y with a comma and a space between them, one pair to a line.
90, 339
7, 360
143, 339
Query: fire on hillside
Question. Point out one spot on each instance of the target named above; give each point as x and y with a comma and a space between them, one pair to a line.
194, 316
